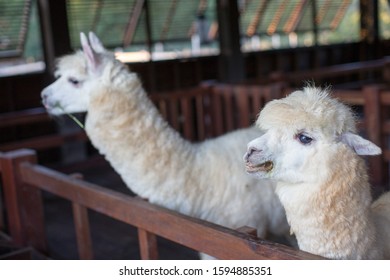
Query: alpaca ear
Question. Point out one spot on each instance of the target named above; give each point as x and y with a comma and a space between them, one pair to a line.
96, 44
360, 145
90, 54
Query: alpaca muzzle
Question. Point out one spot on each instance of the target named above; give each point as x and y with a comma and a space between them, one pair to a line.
255, 162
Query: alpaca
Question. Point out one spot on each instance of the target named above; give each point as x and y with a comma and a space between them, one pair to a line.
310, 148
204, 180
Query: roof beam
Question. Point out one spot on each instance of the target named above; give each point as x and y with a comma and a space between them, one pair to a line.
168, 20
276, 19
98, 12
323, 11
340, 14
231, 61
25, 24
295, 17
134, 17
252, 27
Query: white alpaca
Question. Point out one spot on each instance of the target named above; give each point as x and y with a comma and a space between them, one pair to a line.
310, 148
205, 180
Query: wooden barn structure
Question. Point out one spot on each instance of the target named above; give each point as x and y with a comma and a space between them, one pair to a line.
59, 199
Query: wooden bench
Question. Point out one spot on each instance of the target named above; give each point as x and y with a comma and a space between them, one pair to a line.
24, 180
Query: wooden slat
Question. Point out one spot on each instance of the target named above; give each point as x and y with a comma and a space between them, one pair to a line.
83, 234
162, 107
372, 113
23, 203
188, 128
2, 218
148, 245
386, 155
217, 114
257, 101
241, 98
173, 118
200, 125
196, 234
351, 97
23, 117
331, 71
44, 142
228, 111
385, 98
386, 127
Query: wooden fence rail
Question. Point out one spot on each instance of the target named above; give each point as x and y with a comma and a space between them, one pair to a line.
23, 181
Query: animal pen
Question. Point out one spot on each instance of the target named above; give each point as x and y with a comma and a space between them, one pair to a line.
206, 111
24, 180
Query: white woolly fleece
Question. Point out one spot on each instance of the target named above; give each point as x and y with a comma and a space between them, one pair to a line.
205, 180
321, 181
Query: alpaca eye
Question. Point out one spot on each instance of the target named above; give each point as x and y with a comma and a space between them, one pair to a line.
304, 139
73, 81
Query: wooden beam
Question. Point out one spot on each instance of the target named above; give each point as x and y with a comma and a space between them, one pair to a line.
148, 245
199, 235
253, 25
277, 17
134, 17
24, 204
168, 20
340, 14
323, 10
231, 61
295, 17
54, 30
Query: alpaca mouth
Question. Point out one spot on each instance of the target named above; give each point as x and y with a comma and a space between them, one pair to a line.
266, 166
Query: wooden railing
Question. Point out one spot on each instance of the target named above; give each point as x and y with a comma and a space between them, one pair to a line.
198, 113
356, 74
24, 179
35, 116
213, 109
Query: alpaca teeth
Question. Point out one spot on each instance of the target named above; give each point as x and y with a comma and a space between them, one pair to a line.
265, 166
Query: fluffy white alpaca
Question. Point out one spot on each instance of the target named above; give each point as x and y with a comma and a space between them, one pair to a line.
310, 148
205, 180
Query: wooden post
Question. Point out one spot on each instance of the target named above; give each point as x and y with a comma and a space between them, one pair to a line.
81, 224
83, 235
372, 115
231, 61
2, 207
148, 245
23, 202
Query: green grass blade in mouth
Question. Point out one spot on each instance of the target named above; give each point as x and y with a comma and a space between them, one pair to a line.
70, 115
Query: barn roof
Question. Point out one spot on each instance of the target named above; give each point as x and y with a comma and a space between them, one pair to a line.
124, 22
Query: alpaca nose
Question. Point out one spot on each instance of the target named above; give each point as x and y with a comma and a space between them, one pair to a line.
251, 151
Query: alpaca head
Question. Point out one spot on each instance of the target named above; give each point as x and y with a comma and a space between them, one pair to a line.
76, 75
303, 135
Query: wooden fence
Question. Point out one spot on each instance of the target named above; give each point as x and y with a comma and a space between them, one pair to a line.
24, 179
197, 113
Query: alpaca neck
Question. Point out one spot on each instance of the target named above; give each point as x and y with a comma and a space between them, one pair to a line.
333, 218
127, 129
